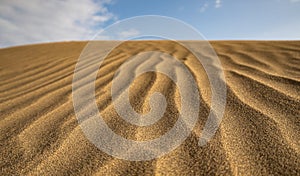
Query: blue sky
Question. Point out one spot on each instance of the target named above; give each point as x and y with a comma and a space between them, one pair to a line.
36, 21
225, 19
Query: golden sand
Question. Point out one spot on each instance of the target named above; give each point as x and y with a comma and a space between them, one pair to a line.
259, 133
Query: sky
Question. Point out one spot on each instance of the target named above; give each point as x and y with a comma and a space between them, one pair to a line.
38, 21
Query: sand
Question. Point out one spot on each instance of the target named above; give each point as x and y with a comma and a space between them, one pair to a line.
259, 133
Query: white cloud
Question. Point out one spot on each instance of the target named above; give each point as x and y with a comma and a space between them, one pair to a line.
204, 7
294, 0
129, 33
218, 3
23, 22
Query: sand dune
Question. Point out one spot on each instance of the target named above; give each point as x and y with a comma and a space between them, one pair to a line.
259, 133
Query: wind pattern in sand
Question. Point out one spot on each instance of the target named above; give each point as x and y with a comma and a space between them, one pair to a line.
259, 133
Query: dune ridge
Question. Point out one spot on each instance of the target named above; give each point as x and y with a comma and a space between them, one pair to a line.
259, 133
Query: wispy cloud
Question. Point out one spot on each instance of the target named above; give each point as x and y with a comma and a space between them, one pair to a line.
294, 0
218, 3
204, 7
23, 22
128, 34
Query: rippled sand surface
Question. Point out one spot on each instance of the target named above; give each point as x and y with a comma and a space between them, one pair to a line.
259, 133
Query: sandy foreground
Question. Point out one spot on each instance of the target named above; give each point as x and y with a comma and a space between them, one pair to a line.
259, 133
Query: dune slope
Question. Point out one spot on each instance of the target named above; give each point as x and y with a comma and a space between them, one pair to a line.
259, 133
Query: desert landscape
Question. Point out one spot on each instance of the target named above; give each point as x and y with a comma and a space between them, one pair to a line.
259, 133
